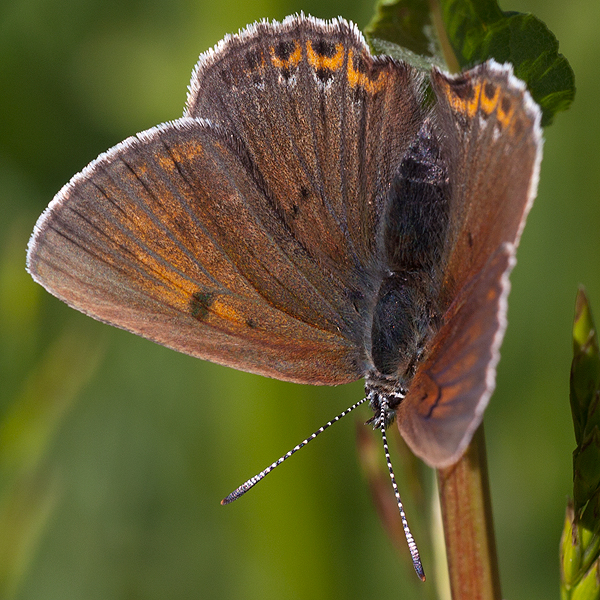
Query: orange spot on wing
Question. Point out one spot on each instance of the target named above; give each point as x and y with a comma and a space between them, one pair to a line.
505, 117
319, 61
478, 100
294, 58
489, 104
466, 102
358, 79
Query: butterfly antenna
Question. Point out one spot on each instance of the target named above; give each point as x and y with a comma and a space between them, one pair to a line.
412, 545
240, 491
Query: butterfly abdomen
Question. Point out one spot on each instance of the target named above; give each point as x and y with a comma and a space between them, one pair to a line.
414, 240
401, 324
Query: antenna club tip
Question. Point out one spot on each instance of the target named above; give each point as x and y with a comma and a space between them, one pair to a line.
420, 572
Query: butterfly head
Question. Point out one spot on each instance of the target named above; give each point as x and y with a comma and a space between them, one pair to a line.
384, 395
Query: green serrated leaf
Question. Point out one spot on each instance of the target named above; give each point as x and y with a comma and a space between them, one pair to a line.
464, 33
479, 30
423, 63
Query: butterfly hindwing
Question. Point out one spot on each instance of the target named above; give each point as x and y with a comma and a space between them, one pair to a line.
492, 144
451, 389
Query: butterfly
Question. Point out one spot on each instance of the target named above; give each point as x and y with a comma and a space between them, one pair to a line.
318, 215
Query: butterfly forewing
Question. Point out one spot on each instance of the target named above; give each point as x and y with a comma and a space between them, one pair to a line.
149, 238
329, 139
253, 222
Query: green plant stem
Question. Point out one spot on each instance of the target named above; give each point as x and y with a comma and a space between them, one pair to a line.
447, 51
468, 527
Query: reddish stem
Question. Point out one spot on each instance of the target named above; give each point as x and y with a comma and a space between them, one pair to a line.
468, 526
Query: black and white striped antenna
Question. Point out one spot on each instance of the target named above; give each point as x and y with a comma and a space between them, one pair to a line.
250, 483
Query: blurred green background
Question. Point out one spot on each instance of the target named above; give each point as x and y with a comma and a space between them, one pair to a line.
115, 452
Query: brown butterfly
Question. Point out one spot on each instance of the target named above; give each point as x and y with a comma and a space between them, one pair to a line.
313, 217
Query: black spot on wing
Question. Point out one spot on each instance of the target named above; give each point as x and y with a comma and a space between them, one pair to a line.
284, 49
489, 89
200, 304
325, 48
